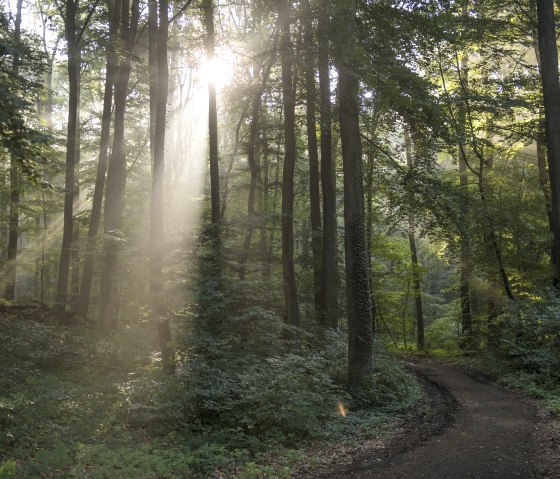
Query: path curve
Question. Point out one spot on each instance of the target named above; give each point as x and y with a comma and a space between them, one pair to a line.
491, 433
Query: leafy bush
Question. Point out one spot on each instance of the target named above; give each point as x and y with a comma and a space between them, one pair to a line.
442, 333
530, 336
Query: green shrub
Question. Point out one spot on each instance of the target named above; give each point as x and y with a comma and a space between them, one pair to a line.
530, 336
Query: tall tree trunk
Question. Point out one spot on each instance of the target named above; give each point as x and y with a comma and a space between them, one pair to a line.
75, 254
254, 167
289, 102
328, 179
208, 6
358, 292
551, 93
216, 267
70, 28
414, 257
312, 149
464, 261
116, 173
544, 181
13, 227
158, 172
156, 208
95, 218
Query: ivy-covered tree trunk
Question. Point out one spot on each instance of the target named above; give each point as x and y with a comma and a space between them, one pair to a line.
97, 203
551, 94
116, 172
289, 104
13, 222
329, 294
358, 292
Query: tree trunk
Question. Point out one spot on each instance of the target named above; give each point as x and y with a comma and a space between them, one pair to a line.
13, 227
254, 167
289, 100
70, 28
328, 179
116, 173
95, 218
156, 206
464, 261
358, 292
544, 180
312, 149
551, 93
208, 6
414, 257
75, 255
216, 267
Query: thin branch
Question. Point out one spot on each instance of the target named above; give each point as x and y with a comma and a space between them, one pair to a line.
86, 21
180, 12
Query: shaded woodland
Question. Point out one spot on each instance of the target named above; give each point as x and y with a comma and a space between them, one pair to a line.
235, 217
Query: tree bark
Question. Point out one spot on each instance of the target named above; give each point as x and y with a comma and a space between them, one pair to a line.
216, 266
544, 180
414, 257
328, 179
95, 218
116, 173
289, 100
208, 7
313, 154
358, 292
551, 94
254, 167
464, 254
70, 28
75, 254
156, 206
13, 225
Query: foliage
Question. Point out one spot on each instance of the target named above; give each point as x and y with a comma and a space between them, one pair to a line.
530, 337
21, 65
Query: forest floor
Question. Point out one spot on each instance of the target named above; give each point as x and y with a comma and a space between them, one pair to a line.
476, 429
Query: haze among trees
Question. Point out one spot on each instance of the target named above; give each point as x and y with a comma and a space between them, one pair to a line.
222, 223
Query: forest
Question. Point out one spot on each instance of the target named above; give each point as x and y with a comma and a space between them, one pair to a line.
238, 237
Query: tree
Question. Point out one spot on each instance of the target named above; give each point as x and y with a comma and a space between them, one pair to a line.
289, 104
95, 218
208, 13
116, 172
358, 289
551, 96
13, 235
414, 254
328, 178
72, 35
313, 154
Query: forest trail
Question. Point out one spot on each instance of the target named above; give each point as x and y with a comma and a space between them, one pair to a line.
478, 431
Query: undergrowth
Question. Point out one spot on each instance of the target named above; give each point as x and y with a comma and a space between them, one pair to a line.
76, 404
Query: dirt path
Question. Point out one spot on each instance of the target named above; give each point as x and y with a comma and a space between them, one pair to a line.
479, 431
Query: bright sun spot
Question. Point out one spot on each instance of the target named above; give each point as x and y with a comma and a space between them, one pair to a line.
218, 72
341, 409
